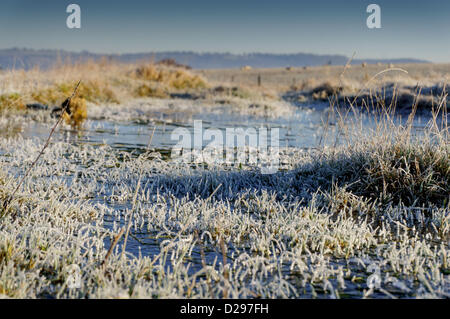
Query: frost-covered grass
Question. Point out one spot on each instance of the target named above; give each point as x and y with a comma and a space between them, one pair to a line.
367, 219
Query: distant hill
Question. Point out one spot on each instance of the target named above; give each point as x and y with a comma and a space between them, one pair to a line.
28, 58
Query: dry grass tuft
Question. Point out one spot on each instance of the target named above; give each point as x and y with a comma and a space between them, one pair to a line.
92, 91
178, 79
416, 175
77, 112
147, 91
396, 172
103, 82
12, 101
325, 91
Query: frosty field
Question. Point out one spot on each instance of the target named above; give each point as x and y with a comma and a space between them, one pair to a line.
358, 209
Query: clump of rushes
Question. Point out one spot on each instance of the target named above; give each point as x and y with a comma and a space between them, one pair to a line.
172, 78
147, 91
418, 175
11, 101
92, 91
181, 79
76, 113
149, 72
47, 96
413, 174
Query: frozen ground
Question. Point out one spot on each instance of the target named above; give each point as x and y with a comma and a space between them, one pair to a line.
322, 227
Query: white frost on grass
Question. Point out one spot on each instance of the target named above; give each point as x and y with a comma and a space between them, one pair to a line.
207, 232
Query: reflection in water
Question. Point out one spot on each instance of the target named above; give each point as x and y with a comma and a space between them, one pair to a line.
306, 129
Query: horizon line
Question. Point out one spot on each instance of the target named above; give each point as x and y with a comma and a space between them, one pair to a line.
218, 52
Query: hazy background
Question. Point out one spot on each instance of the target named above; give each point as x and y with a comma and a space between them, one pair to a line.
415, 29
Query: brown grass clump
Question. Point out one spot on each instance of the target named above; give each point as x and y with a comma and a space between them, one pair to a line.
102, 82
149, 72
47, 96
183, 80
326, 90
92, 91
77, 112
11, 101
146, 91
172, 78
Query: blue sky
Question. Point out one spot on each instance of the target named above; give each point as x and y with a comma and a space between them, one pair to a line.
418, 29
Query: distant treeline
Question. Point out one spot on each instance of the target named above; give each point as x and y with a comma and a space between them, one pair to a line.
27, 58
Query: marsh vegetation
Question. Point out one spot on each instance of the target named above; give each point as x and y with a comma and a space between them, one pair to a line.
360, 210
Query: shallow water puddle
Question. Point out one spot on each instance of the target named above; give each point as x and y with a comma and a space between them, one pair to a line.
305, 129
